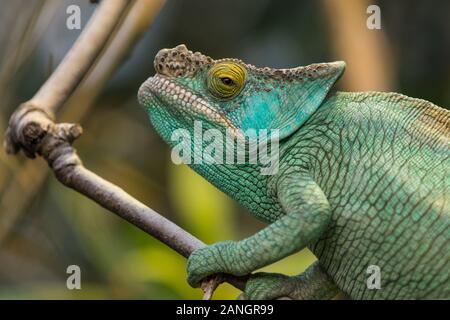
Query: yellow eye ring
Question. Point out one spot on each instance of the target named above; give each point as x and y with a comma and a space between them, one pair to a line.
226, 79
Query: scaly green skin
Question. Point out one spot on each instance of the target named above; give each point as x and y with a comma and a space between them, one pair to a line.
364, 179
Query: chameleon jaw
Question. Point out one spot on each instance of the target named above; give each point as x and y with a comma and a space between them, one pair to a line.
176, 96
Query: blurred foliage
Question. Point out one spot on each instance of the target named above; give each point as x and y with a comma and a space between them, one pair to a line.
59, 227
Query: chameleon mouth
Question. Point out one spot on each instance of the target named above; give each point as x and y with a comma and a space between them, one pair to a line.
174, 95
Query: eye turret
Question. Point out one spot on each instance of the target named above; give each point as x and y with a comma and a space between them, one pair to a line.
226, 80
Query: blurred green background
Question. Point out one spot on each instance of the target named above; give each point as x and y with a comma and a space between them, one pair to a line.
45, 227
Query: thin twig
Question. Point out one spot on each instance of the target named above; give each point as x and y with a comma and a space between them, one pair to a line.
31, 175
33, 130
81, 56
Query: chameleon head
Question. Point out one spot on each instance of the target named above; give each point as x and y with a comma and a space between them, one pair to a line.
229, 94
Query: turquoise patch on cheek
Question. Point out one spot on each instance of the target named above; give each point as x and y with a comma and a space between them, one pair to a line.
259, 112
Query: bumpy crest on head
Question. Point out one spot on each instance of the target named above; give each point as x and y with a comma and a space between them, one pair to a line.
179, 61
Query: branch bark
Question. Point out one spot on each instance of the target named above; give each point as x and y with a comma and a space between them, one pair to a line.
33, 130
31, 175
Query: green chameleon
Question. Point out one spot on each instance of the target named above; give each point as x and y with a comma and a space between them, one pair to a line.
363, 178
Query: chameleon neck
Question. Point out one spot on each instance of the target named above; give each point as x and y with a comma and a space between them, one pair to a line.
245, 184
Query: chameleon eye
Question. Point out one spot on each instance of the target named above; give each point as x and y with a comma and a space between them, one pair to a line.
226, 79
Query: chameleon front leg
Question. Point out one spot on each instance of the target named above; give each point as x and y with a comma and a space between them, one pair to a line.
307, 214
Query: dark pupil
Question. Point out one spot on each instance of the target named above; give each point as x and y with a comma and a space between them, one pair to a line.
227, 81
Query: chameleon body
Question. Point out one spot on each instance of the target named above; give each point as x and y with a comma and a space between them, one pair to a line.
363, 179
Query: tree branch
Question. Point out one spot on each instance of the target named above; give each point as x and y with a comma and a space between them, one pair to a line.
81, 56
32, 129
30, 175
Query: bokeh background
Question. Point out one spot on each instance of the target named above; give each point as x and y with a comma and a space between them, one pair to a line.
44, 227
